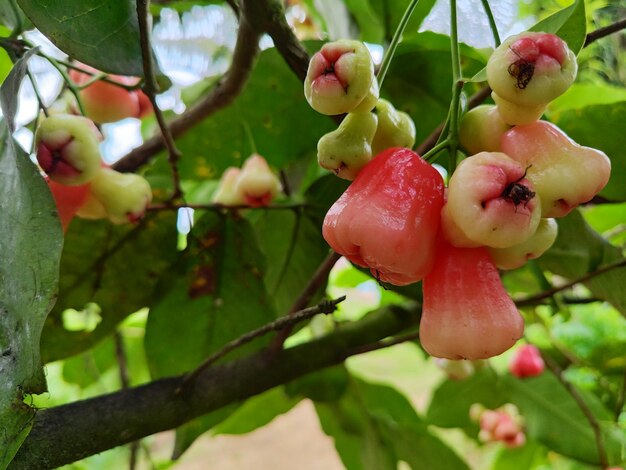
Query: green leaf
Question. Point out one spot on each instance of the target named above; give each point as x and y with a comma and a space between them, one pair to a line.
553, 418
257, 411
87, 368
30, 248
101, 33
451, 401
600, 126
570, 24
375, 426
326, 385
390, 12
581, 95
113, 269
519, 458
205, 292
578, 250
13, 17
371, 27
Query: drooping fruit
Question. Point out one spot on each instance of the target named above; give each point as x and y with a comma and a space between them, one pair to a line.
564, 173
530, 70
467, 313
395, 128
340, 77
517, 255
124, 196
492, 202
348, 148
256, 184
388, 217
106, 102
526, 362
481, 129
68, 148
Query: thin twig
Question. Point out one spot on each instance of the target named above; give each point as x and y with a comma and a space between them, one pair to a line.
533, 299
246, 51
120, 355
621, 398
151, 88
603, 32
597, 430
320, 277
326, 307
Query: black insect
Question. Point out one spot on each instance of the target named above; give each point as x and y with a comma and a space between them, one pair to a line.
522, 69
518, 193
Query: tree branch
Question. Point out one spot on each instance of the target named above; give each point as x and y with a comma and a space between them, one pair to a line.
246, 51
603, 32
71, 432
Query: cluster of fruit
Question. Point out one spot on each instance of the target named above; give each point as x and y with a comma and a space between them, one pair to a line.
254, 185
501, 425
341, 79
398, 219
68, 151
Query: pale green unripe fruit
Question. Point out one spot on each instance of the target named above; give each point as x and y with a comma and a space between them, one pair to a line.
124, 196
481, 129
92, 209
517, 255
226, 192
517, 114
340, 76
68, 148
348, 148
531, 69
395, 128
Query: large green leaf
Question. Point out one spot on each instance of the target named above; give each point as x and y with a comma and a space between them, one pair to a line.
257, 411
579, 250
451, 401
375, 426
601, 127
569, 23
101, 33
30, 248
112, 270
214, 295
555, 419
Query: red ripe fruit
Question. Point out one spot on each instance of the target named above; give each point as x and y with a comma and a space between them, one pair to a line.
388, 218
68, 200
467, 313
527, 362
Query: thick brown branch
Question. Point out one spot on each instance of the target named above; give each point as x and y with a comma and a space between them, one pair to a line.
226, 91
71, 432
603, 32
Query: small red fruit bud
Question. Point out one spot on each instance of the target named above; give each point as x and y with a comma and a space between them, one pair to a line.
527, 362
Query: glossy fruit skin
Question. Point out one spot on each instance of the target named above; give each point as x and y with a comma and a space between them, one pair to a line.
105, 102
388, 218
395, 128
564, 173
531, 69
467, 313
491, 201
339, 77
68, 200
256, 184
481, 128
68, 148
347, 149
526, 362
124, 196
539, 242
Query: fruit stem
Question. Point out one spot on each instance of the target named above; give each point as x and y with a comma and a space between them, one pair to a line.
457, 87
492, 22
395, 40
435, 150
